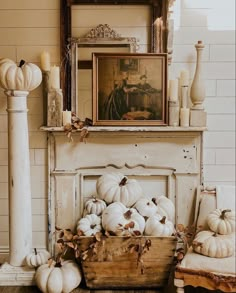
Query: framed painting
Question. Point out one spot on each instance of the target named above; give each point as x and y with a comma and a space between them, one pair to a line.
129, 89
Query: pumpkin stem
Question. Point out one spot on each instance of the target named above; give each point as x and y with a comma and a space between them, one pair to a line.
92, 226
127, 215
58, 261
35, 251
22, 62
214, 234
222, 216
163, 220
94, 198
154, 201
123, 181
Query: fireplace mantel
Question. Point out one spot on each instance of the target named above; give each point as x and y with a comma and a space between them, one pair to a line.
166, 160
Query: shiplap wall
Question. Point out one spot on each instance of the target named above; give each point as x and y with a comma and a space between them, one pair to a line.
28, 27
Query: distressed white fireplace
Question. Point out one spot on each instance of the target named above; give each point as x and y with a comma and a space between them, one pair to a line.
166, 161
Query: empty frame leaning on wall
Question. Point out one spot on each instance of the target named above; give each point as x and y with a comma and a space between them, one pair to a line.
129, 89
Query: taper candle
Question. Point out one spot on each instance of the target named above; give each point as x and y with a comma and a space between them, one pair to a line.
45, 61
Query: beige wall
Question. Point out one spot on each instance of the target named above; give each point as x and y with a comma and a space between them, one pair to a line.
28, 27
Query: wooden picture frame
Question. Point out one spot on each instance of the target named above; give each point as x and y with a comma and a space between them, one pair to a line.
135, 96
158, 8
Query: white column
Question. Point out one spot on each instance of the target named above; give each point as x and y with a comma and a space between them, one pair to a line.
20, 215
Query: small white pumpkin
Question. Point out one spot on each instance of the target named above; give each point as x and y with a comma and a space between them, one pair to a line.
89, 225
58, 277
165, 207
212, 244
146, 207
222, 221
158, 226
25, 77
36, 259
115, 187
94, 206
121, 221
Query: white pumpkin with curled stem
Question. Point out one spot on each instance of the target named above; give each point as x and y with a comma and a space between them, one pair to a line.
36, 259
158, 225
95, 206
120, 220
58, 277
165, 207
25, 77
222, 221
115, 187
146, 207
89, 225
214, 245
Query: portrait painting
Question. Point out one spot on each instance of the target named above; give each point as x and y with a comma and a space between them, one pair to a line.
129, 89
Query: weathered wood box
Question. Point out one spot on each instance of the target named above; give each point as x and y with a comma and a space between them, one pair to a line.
127, 262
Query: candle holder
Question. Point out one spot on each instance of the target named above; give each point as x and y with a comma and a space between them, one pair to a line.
54, 105
45, 76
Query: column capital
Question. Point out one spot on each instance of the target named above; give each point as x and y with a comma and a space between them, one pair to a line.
16, 93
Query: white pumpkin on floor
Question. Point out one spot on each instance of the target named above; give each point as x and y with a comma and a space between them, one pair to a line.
159, 226
120, 220
36, 259
115, 187
222, 221
89, 225
60, 277
215, 245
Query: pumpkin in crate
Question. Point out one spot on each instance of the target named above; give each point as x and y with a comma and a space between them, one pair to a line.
94, 206
159, 226
146, 207
222, 221
122, 221
25, 77
165, 207
89, 225
58, 277
212, 244
115, 187
36, 259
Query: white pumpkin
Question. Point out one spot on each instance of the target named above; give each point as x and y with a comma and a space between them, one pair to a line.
115, 187
58, 277
211, 244
165, 207
119, 220
222, 221
89, 225
26, 76
158, 226
36, 259
94, 206
145, 207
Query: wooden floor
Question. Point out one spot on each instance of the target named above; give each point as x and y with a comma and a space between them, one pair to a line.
8, 289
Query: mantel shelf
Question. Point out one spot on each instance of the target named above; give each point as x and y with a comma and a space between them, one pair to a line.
128, 129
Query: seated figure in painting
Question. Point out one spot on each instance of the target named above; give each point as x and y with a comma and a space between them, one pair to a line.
132, 102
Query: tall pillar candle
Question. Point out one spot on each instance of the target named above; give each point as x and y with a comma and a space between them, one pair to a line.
55, 77
173, 89
184, 117
184, 77
20, 215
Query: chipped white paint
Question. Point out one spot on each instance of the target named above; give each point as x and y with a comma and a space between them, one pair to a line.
19, 178
165, 162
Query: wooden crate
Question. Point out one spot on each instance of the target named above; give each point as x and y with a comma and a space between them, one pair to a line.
117, 262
